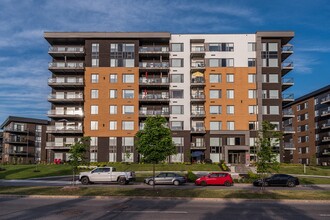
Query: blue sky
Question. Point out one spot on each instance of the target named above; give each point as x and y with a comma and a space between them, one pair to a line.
23, 50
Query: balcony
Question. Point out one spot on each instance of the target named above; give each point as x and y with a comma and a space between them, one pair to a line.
286, 67
287, 83
153, 50
197, 52
19, 153
154, 65
66, 66
153, 96
153, 81
197, 65
326, 100
146, 113
289, 146
65, 114
287, 50
16, 129
197, 82
326, 125
288, 130
286, 113
326, 139
68, 51
78, 97
198, 130
16, 140
62, 145
197, 98
65, 129
196, 146
287, 98
198, 114
325, 113
66, 82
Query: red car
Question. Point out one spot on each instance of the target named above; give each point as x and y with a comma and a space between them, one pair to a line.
215, 179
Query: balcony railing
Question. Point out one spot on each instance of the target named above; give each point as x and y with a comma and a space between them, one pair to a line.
198, 129
326, 139
150, 81
151, 65
176, 128
198, 114
287, 49
288, 113
198, 65
197, 49
325, 113
153, 49
66, 49
153, 112
73, 113
13, 129
197, 146
76, 97
56, 145
289, 146
198, 97
154, 96
66, 81
325, 125
287, 81
66, 65
198, 80
325, 100
16, 140
288, 97
64, 129
288, 130
287, 65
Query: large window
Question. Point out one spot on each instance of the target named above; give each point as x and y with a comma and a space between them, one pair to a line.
128, 78
122, 55
95, 55
213, 62
221, 47
177, 125
176, 47
128, 94
215, 109
177, 109
176, 78
269, 54
176, 94
215, 78
128, 109
94, 94
215, 94
215, 125
274, 110
273, 78
128, 125
176, 62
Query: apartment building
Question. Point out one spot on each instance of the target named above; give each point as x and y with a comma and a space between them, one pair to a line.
23, 140
214, 90
307, 128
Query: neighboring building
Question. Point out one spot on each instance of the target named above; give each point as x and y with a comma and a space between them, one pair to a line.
1, 143
24, 140
214, 89
307, 128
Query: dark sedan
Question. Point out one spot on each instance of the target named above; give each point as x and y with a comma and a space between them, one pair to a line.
278, 180
166, 178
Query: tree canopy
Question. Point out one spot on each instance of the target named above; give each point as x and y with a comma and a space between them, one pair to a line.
154, 142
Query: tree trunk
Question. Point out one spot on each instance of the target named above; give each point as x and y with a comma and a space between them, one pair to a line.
153, 175
73, 174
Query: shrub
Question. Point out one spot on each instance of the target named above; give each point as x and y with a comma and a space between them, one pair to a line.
191, 177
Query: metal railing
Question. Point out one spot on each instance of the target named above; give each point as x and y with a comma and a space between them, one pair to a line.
325, 99
66, 49
151, 96
287, 65
15, 129
66, 97
66, 65
287, 112
288, 96
288, 129
287, 80
153, 112
289, 145
154, 65
198, 96
198, 129
153, 49
197, 49
79, 80
64, 128
325, 112
198, 113
154, 80
198, 65
198, 80
66, 112
287, 48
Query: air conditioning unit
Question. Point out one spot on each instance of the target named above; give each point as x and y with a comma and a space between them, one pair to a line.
192, 144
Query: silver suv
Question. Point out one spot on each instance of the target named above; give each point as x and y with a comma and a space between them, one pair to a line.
166, 178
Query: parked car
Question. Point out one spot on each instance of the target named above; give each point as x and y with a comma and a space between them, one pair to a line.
216, 178
166, 178
106, 174
278, 180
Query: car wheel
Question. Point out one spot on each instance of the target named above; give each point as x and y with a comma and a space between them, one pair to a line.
151, 183
227, 183
176, 182
85, 180
291, 184
203, 183
122, 180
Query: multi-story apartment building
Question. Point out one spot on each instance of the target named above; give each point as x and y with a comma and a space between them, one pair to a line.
214, 89
307, 128
23, 140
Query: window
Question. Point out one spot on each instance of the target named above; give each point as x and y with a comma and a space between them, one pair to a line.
113, 93
94, 109
128, 141
176, 78
276, 125
252, 94
95, 78
215, 141
94, 125
176, 62
230, 94
215, 125
230, 78
128, 125
229, 62
177, 109
251, 46
215, 109
178, 141
215, 94
176, 125
112, 141
251, 62
128, 109
128, 94
113, 109
177, 47
95, 55
215, 78
274, 110
113, 125
94, 94
251, 78
273, 78
253, 109
93, 141
269, 55
122, 55
253, 125
221, 47
128, 78
176, 94
273, 94
113, 78
230, 125
230, 109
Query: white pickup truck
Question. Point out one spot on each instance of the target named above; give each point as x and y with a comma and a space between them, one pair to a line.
106, 174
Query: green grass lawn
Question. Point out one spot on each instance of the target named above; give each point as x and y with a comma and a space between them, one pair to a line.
200, 192
299, 169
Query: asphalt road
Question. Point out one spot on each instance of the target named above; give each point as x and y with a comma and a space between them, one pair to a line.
66, 181
26, 208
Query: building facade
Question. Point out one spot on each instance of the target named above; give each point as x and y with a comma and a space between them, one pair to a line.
23, 140
307, 128
214, 89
